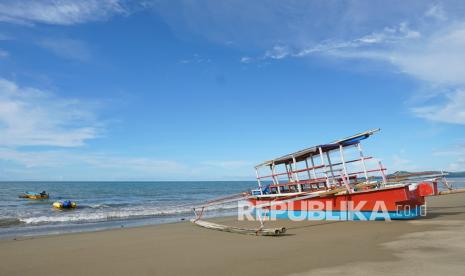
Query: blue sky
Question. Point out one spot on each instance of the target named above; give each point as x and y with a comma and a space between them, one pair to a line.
204, 90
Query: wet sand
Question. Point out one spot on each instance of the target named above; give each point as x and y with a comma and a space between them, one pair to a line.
428, 246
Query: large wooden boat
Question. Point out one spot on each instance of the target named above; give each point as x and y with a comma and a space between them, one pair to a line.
336, 181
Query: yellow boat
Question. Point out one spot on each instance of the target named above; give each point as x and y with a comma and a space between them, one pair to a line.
64, 205
33, 195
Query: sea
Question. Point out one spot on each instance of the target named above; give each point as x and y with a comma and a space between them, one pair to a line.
106, 205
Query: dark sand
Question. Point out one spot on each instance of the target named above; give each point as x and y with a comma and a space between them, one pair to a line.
431, 245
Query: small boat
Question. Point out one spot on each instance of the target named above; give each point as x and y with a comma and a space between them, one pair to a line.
34, 195
67, 204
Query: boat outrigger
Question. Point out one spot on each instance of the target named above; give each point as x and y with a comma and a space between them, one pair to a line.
333, 181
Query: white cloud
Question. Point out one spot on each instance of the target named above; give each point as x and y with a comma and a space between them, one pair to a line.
250, 24
361, 47
388, 36
34, 165
435, 57
246, 59
278, 52
355, 48
141, 164
4, 54
399, 163
67, 48
32, 117
4, 37
60, 12
416, 38
33, 159
228, 164
455, 150
455, 153
196, 58
457, 165
436, 11
60, 159
436, 60
453, 111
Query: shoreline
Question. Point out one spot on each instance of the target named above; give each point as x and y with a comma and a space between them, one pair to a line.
90, 227
310, 247
39, 236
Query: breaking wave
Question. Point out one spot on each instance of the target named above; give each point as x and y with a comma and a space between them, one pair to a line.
98, 213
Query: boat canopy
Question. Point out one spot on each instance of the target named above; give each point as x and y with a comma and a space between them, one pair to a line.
315, 150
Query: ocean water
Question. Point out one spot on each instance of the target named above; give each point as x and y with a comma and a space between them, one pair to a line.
104, 205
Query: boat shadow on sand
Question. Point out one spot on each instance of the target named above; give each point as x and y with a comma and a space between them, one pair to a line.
435, 213
314, 224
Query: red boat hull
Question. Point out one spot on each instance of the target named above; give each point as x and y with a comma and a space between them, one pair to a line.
403, 202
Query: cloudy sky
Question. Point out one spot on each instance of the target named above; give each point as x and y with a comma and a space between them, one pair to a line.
203, 90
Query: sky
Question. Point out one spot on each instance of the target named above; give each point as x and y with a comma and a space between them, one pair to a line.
204, 90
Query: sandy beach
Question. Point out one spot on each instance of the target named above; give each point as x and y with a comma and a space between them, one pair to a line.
428, 246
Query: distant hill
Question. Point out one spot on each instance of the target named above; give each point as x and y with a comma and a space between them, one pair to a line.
456, 174
449, 174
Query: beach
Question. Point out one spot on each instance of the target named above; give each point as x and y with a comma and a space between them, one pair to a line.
209, 138
427, 246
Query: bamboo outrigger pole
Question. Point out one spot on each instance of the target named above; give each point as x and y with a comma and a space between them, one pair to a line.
239, 230
215, 226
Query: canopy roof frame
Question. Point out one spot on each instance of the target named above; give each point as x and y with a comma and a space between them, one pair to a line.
315, 150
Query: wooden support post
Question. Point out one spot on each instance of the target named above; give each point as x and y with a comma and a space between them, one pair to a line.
382, 173
444, 181
289, 176
345, 180
273, 171
308, 170
198, 215
324, 166
259, 182
313, 170
341, 151
313, 167
296, 176
331, 167
363, 161
277, 178
272, 174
